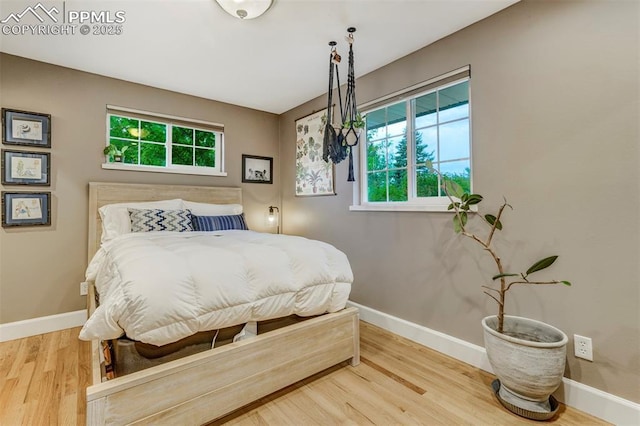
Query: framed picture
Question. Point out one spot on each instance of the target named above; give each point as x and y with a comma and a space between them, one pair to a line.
26, 128
257, 169
26, 208
25, 168
314, 176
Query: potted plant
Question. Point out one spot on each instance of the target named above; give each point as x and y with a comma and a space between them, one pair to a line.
352, 129
527, 356
114, 153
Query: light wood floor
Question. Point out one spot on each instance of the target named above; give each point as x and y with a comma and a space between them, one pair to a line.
42, 382
43, 379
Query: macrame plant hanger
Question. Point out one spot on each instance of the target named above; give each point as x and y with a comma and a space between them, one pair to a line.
338, 145
332, 147
350, 131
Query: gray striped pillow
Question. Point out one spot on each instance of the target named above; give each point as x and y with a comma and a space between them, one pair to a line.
219, 223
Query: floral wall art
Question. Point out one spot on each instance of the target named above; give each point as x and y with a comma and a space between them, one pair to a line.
314, 176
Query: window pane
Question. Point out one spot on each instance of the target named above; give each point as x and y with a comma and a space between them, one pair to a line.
376, 154
182, 155
396, 119
153, 154
375, 123
454, 140
205, 157
377, 186
426, 183
398, 185
454, 102
458, 171
427, 145
182, 135
155, 132
130, 154
441, 135
397, 152
206, 139
122, 127
426, 110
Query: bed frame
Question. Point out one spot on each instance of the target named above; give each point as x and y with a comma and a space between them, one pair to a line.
208, 385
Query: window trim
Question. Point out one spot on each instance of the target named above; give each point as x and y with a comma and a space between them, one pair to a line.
170, 120
426, 204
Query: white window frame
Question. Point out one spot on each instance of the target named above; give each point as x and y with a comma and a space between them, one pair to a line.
430, 204
169, 121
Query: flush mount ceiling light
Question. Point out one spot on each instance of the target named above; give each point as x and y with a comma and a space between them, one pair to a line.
245, 9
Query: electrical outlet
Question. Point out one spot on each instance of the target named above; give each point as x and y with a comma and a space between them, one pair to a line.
583, 347
84, 288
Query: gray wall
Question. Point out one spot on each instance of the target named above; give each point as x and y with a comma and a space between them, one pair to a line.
555, 129
41, 267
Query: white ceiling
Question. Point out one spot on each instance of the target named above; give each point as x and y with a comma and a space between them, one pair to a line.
272, 63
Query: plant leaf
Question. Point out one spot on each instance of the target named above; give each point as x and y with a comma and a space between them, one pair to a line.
464, 197
492, 219
474, 199
463, 216
450, 207
566, 283
453, 189
456, 224
495, 277
541, 264
429, 165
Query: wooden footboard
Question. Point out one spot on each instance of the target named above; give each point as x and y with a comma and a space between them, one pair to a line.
211, 384
208, 385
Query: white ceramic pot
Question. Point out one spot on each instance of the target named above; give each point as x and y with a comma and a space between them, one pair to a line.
528, 360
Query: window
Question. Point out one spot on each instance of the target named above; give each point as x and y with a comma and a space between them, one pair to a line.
163, 143
431, 123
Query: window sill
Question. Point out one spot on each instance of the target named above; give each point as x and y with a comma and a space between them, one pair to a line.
436, 208
158, 169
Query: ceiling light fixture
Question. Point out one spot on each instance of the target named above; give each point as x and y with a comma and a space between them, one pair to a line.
245, 9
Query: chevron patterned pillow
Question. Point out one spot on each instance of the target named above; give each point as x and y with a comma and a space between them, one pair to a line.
160, 220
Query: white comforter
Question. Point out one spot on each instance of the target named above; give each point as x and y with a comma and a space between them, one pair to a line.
159, 287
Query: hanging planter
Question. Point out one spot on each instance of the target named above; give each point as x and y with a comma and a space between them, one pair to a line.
338, 142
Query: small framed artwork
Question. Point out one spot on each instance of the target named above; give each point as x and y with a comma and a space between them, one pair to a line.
257, 169
26, 208
26, 128
25, 168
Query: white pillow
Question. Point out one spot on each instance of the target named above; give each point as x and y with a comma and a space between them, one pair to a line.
205, 209
116, 220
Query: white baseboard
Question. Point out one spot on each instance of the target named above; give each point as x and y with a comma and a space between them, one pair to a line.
34, 326
600, 404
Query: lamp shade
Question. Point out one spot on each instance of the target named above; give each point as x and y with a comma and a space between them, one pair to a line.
245, 9
272, 216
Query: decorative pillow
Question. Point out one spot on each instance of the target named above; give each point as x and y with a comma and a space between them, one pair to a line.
116, 220
160, 220
205, 209
219, 223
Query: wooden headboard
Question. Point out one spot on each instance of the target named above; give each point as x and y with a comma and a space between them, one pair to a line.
102, 193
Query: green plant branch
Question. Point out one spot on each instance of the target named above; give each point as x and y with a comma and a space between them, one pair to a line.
496, 222
493, 297
534, 282
461, 208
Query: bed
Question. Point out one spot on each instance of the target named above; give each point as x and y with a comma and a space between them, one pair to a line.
210, 384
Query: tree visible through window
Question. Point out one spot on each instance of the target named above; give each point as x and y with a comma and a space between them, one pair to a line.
437, 130
164, 144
